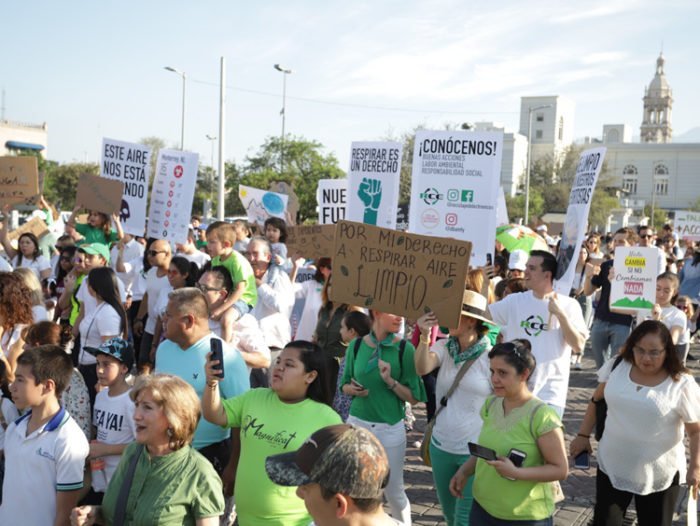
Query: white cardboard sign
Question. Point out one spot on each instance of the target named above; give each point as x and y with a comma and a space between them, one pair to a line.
634, 285
331, 197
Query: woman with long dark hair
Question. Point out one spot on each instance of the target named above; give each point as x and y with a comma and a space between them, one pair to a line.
108, 320
27, 253
270, 421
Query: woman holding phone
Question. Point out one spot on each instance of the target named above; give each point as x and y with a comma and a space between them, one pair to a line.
522, 430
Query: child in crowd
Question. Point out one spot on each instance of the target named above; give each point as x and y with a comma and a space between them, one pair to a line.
113, 417
45, 450
243, 235
98, 228
8, 414
276, 234
220, 240
354, 324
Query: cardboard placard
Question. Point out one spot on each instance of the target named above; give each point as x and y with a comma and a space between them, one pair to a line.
687, 225
19, 180
310, 241
35, 226
99, 194
405, 274
261, 204
634, 286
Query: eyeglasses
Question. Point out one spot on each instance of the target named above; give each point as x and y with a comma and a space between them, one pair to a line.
153, 253
651, 354
65, 258
205, 288
647, 236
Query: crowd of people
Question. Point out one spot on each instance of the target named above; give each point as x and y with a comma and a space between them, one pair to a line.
145, 382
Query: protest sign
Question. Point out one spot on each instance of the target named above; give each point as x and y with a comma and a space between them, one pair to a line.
454, 187
99, 194
331, 197
576, 223
373, 183
634, 284
405, 274
131, 164
687, 225
35, 226
310, 241
19, 180
261, 204
172, 195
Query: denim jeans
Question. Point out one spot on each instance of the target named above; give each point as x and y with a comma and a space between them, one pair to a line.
606, 340
480, 517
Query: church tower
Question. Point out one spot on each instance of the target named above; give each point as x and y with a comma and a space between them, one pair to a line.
656, 124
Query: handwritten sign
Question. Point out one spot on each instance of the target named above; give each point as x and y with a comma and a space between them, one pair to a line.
311, 241
34, 226
405, 274
634, 285
19, 180
687, 225
99, 194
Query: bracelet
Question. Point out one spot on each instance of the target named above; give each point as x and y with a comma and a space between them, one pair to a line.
583, 436
212, 385
426, 341
393, 386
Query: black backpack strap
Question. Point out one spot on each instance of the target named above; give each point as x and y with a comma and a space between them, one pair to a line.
402, 350
356, 347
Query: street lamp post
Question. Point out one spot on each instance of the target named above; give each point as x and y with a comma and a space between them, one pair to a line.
184, 87
285, 72
529, 157
211, 138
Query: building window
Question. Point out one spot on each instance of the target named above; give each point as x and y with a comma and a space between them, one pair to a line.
561, 128
661, 185
538, 134
539, 117
661, 169
629, 185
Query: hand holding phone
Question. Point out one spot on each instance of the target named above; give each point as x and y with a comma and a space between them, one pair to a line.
582, 460
356, 384
217, 353
486, 453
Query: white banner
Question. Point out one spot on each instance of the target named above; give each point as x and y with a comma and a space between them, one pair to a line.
172, 195
261, 204
501, 208
454, 187
331, 197
687, 225
130, 163
373, 183
576, 223
634, 284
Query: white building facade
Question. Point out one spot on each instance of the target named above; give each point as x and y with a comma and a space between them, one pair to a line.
17, 136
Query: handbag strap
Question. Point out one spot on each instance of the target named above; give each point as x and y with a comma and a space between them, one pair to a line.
120, 506
460, 374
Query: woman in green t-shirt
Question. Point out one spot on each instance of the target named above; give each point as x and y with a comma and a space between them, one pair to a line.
380, 375
520, 428
269, 422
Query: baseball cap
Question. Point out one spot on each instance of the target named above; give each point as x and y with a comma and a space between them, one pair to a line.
518, 260
117, 348
341, 458
95, 249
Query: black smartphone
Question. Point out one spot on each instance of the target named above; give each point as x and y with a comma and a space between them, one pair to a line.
217, 353
582, 460
517, 457
486, 453
489, 259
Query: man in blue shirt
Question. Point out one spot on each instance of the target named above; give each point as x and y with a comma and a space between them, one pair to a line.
184, 354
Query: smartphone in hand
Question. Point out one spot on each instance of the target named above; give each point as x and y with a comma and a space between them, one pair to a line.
217, 353
356, 384
486, 453
582, 460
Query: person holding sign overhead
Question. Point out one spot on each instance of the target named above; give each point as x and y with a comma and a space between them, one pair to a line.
27, 254
380, 374
98, 229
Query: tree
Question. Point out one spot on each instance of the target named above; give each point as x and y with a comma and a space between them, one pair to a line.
660, 218
61, 182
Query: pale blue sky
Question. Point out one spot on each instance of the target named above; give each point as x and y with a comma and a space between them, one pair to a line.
94, 69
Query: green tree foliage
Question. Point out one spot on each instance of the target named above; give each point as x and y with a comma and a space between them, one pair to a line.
660, 217
61, 182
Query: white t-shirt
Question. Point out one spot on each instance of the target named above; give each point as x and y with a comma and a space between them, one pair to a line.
198, 257
311, 291
522, 315
9, 338
162, 302
672, 316
37, 265
50, 459
39, 313
5, 265
102, 321
133, 252
460, 422
247, 336
9, 415
113, 418
154, 285
642, 447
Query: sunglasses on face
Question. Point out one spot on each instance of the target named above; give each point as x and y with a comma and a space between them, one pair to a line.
153, 253
647, 236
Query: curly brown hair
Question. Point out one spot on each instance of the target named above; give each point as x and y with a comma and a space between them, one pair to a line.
15, 301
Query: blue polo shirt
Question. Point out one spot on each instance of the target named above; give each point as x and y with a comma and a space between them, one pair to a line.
188, 364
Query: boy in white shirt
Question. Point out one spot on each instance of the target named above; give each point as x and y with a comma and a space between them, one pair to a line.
45, 450
113, 415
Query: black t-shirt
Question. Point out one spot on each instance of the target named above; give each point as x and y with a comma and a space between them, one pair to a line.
602, 311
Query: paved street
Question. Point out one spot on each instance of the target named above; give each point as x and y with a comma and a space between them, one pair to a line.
579, 488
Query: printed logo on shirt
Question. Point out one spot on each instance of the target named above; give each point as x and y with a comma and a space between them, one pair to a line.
280, 438
45, 454
534, 325
106, 421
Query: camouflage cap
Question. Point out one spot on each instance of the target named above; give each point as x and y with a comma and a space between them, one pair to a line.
117, 348
342, 458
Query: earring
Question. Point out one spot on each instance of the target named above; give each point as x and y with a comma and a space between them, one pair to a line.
170, 432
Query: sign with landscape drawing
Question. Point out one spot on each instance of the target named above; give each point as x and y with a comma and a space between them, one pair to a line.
633, 285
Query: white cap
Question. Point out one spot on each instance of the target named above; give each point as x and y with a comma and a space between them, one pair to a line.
518, 260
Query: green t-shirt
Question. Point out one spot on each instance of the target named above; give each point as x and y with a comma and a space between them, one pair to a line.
92, 234
240, 270
268, 427
514, 499
381, 405
177, 488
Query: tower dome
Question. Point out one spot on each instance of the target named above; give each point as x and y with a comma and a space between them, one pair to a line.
658, 100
